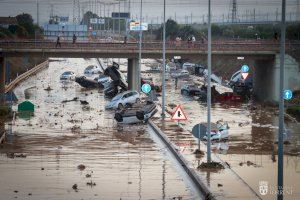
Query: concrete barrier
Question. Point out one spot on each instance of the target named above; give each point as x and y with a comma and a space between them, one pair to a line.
190, 171
25, 75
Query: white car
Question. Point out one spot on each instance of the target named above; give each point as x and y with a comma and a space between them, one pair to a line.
102, 79
92, 69
123, 99
68, 75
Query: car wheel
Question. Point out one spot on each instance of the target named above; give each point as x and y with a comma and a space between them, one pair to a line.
120, 106
137, 100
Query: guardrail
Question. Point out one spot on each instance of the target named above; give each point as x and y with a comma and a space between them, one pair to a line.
247, 45
25, 75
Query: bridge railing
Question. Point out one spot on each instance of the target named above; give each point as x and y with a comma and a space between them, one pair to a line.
220, 45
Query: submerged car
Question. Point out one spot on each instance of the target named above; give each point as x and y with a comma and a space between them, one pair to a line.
88, 83
192, 90
219, 131
92, 69
68, 75
136, 114
123, 99
102, 79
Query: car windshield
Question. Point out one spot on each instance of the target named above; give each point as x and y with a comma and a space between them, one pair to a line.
67, 73
119, 96
90, 67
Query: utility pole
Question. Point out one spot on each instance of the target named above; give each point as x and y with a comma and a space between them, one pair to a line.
298, 11
37, 12
233, 11
119, 18
140, 47
164, 65
281, 105
209, 84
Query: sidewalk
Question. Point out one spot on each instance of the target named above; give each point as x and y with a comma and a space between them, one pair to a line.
224, 183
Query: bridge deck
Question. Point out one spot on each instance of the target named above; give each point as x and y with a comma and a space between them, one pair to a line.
149, 49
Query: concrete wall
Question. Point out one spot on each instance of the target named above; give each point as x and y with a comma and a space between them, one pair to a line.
266, 77
291, 75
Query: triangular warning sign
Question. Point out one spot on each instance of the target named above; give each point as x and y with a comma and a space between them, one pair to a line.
179, 114
245, 75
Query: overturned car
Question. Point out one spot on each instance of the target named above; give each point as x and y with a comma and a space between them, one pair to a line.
88, 83
136, 114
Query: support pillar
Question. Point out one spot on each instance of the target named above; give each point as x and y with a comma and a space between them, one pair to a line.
132, 74
2, 81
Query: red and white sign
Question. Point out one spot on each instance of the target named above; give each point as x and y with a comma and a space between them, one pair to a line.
245, 75
178, 115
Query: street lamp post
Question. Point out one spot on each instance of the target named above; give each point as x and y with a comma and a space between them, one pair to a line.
140, 48
281, 104
209, 84
164, 64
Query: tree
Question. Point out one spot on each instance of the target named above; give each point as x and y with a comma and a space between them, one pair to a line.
187, 31
172, 30
26, 21
87, 16
18, 30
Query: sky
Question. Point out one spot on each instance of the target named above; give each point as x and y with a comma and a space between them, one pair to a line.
184, 11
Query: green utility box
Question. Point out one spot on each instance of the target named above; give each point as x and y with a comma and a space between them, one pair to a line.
26, 106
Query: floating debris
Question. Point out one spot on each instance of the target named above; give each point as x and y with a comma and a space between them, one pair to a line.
91, 183
81, 167
211, 165
74, 99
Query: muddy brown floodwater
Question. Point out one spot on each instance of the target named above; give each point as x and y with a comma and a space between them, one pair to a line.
72, 151
251, 149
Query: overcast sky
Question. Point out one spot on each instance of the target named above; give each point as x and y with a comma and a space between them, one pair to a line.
184, 10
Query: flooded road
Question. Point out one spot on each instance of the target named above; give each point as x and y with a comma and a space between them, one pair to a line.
251, 150
73, 151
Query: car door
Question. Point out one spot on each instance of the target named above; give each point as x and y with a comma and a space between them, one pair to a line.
124, 99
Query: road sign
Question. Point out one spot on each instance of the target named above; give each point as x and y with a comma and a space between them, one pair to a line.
199, 131
245, 69
287, 94
97, 21
179, 114
245, 75
135, 26
146, 88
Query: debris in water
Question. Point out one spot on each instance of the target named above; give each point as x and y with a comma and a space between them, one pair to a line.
211, 165
48, 88
88, 175
91, 183
198, 152
75, 129
10, 155
74, 99
84, 102
20, 155
81, 167
75, 187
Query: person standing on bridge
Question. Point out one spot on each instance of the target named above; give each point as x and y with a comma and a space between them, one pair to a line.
74, 38
58, 42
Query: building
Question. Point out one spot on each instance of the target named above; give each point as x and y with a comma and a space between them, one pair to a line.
51, 31
6, 21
